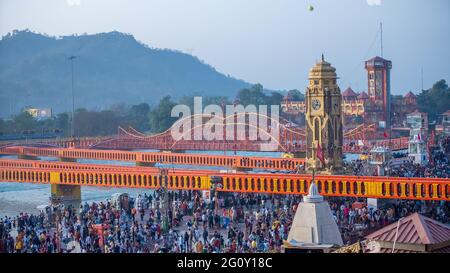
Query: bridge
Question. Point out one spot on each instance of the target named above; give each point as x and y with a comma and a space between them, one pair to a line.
291, 140
68, 176
76, 174
149, 159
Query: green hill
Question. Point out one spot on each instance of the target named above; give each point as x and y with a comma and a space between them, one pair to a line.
110, 68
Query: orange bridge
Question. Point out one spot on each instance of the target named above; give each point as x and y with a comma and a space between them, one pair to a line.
75, 174
289, 139
237, 162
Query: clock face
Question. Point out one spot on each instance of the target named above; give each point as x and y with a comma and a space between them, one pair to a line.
316, 104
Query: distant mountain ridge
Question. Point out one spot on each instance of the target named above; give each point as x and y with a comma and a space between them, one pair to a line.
110, 68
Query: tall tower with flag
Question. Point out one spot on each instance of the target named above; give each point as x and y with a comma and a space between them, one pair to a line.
324, 131
379, 87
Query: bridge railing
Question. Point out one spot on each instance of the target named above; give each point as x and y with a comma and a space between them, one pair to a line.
161, 157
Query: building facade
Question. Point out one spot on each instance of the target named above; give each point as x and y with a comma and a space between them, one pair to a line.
40, 113
324, 129
379, 86
377, 106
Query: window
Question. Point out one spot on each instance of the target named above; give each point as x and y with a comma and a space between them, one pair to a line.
316, 129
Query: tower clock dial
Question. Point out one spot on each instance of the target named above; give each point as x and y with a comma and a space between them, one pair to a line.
316, 104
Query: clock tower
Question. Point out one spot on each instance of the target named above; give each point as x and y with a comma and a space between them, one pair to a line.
324, 132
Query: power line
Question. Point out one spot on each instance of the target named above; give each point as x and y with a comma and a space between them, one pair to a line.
71, 58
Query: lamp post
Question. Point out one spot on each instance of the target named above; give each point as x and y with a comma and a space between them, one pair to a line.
222, 104
71, 58
390, 144
163, 178
216, 184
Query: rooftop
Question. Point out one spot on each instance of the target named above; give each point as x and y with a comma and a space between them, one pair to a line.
349, 93
414, 229
363, 96
410, 95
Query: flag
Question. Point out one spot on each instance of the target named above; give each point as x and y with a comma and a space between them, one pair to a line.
418, 136
385, 135
319, 154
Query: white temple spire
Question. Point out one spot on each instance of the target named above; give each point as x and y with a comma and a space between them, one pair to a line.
313, 194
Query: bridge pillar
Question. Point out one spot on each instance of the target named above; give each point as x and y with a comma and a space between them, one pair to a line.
68, 195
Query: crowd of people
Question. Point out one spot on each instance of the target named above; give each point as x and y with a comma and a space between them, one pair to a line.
437, 166
241, 223
236, 222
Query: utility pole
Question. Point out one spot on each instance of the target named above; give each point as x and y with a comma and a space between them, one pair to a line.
421, 76
222, 104
390, 145
216, 184
71, 58
165, 206
381, 31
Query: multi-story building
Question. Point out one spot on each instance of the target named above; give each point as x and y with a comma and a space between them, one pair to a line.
401, 106
39, 113
446, 123
377, 106
379, 87
293, 107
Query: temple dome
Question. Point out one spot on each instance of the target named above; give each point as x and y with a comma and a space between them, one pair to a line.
322, 70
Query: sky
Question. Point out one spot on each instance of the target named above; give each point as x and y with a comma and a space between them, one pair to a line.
272, 42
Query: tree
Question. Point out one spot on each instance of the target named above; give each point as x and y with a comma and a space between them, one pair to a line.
62, 122
159, 117
254, 95
436, 100
296, 95
25, 121
206, 100
275, 99
138, 116
120, 109
91, 123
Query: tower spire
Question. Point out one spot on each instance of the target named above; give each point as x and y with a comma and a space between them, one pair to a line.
323, 59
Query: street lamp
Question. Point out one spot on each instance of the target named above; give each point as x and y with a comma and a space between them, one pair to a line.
391, 115
216, 184
71, 58
163, 178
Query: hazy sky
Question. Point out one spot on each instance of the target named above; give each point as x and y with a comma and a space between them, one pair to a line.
273, 42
